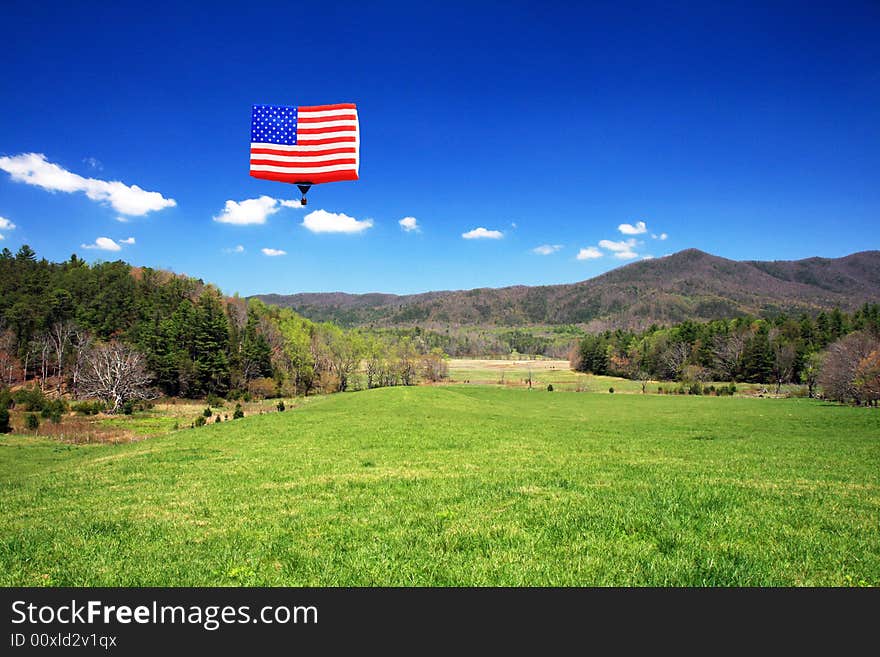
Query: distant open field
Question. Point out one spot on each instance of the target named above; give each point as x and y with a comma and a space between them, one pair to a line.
459, 485
543, 372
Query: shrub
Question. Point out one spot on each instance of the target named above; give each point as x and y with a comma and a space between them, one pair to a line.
659, 390
731, 389
88, 407
31, 422
128, 407
55, 417
4, 420
238, 412
31, 398
200, 421
611, 390
6, 398
265, 388
280, 406
549, 387
54, 407
208, 412
217, 419
215, 401
696, 388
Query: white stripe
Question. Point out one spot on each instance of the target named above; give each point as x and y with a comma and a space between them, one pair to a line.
336, 167
295, 148
304, 159
325, 124
325, 113
300, 138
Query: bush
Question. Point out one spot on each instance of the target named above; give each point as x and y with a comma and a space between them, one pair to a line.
128, 407
31, 398
280, 406
611, 390
659, 390
200, 421
215, 401
31, 422
731, 389
6, 398
54, 407
549, 387
88, 407
4, 420
55, 417
207, 412
217, 419
238, 412
264, 387
696, 388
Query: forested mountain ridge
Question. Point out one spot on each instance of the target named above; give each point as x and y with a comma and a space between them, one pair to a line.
688, 285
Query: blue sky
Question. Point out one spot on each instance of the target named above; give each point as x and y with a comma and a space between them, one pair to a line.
751, 132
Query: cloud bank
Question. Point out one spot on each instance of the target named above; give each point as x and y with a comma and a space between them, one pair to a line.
35, 169
321, 221
481, 233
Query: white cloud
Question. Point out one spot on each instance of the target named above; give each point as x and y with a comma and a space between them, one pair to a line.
291, 204
629, 229
321, 221
621, 246
247, 212
273, 252
129, 240
589, 253
547, 249
409, 224
481, 233
35, 169
661, 236
94, 163
626, 255
647, 257
103, 244
121, 219
235, 249
5, 224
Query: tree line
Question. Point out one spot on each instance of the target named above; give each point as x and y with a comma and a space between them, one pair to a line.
120, 333
836, 351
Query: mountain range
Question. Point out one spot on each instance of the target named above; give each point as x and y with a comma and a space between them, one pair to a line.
690, 284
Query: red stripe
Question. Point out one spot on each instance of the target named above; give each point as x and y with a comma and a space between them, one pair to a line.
314, 178
303, 165
331, 140
321, 131
321, 119
324, 108
296, 153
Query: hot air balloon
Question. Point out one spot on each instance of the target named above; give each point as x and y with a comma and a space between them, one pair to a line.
305, 145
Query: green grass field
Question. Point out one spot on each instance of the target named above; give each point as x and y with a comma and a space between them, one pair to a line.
459, 485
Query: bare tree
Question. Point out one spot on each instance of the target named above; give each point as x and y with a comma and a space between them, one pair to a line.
728, 351
81, 343
8, 361
839, 370
60, 336
45, 348
867, 379
116, 374
784, 362
674, 358
810, 372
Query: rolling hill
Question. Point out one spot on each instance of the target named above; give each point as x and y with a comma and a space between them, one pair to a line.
689, 284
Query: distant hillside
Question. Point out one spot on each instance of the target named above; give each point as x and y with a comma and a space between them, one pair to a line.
689, 284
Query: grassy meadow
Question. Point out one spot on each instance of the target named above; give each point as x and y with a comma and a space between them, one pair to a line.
459, 485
